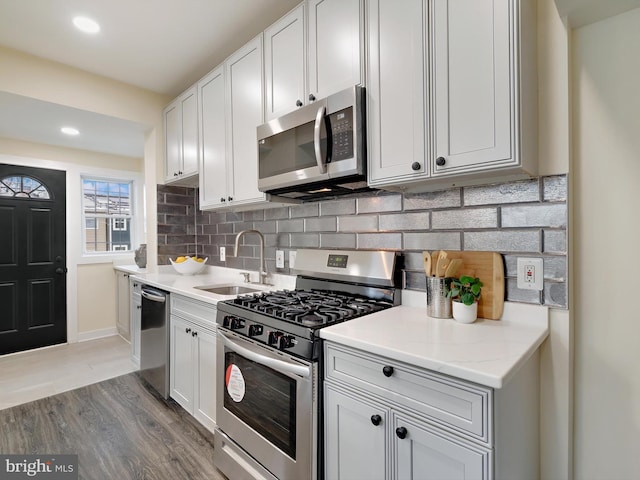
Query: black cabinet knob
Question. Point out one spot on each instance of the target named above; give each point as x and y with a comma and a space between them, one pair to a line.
440, 161
222, 199
229, 198
187, 330
401, 432
387, 370
139, 307
298, 103
179, 173
194, 334
376, 419
312, 97
416, 166
175, 174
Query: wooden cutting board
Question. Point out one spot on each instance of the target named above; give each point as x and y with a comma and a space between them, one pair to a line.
489, 267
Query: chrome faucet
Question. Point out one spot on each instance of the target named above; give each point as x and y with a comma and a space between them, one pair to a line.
262, 270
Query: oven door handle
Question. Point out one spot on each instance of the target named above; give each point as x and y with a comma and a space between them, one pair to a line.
279, 365
317, 128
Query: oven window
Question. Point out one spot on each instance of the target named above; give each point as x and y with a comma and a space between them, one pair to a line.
267, 403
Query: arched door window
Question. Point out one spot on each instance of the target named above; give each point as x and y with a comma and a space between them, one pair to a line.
21, 186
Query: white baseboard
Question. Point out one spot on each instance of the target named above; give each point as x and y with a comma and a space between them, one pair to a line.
94, 334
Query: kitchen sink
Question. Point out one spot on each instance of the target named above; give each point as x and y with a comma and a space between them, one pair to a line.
227, 289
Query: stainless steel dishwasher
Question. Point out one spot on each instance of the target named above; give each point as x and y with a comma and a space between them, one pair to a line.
154, 339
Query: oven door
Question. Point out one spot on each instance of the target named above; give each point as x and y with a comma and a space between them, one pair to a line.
266, 405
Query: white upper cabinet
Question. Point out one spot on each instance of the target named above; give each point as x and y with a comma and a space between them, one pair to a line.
472, 84
285, 60
213, 127
465, 71
335, 45
396, 93
181, 139
243, 72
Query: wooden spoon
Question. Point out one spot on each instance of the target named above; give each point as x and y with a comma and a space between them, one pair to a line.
454, 266
426, 257
443, 263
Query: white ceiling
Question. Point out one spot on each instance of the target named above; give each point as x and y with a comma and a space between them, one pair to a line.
159, 45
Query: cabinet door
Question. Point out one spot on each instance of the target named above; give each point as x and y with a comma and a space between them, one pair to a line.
472, 85
426, 453
354, 445
397, 102
189, 105
173, 140
335, 45
205, 382
285, 58
213, 158
136, 317
181, 365
124, 305
243, 72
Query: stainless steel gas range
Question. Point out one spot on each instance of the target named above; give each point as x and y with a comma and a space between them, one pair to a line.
269, 357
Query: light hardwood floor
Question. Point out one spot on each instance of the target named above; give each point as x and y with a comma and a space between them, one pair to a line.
37, 374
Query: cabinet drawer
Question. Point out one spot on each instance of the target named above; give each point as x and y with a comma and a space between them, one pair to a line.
453, 404
194, 310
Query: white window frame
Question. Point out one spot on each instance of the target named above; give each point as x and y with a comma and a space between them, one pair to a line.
131, 216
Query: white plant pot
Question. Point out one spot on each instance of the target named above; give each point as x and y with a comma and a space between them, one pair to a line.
465, 313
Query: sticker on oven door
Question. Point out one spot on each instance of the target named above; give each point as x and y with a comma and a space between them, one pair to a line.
235, 383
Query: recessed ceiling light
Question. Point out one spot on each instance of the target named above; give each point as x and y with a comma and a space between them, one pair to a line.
86, 24
69, 131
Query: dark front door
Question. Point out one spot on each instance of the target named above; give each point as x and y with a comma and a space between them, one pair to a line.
33, 281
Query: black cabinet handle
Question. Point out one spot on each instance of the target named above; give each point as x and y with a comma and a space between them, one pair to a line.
298, 103
387, 370
415, 166
194, 334
440, 161
376, 419
312, 97
401, 432
187, 330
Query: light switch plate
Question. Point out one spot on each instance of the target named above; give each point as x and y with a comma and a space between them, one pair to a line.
530, 273
279, 259
223, 254
292, 258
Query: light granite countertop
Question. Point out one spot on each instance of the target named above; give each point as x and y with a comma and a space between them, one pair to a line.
488, 352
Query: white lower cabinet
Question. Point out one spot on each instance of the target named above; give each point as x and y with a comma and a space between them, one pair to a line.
135, 320
192, 358
384, 419
123, 297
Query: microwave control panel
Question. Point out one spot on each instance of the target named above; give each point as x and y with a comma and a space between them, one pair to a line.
341, 123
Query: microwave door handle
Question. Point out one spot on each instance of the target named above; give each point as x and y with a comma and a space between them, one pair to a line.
316, 139
279, 365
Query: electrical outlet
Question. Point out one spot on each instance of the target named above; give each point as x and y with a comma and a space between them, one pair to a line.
223, 254
530, 273
292, 259
279, 259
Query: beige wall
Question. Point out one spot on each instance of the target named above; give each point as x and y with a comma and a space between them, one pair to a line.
606, 172
97, 295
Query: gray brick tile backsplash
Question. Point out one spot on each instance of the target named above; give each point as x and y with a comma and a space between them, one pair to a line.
432, 241
524, 218
380, 241
346, 206
404, 221
512, 192
554, 189
539, 215
381, 203
361, 223
504, 241
338, 240
431, 200
465, 219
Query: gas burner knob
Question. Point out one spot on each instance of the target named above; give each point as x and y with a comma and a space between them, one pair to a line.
255, 330
286, 341
235, 323
226, 322
274, 337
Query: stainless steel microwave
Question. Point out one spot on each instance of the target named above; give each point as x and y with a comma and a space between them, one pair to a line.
317, 150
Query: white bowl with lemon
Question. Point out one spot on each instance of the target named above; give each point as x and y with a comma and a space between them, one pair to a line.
188, 265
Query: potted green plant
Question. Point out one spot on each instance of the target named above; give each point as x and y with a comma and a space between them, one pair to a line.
465, 293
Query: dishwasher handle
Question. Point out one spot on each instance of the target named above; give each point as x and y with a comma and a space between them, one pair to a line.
154, 298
